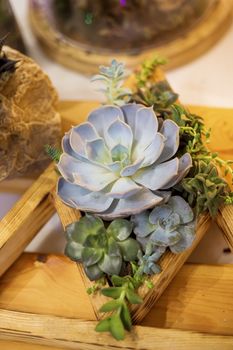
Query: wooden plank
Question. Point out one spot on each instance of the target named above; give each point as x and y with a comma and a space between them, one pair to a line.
45, 284
13, 345
25, 219
225, 222
199, 298
67, 216
76, 334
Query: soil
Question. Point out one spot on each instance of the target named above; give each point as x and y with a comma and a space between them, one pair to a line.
127, 25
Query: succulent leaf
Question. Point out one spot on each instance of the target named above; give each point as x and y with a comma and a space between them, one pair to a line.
103, 325
173, 226
112, 164
125, 317
111, 265
120, 229
101, 250
129, 249
116, 327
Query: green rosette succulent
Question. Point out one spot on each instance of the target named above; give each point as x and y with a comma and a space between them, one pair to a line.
101, 250
115, 164
168, 225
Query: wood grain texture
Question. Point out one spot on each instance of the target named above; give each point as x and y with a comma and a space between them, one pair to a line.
170, 264
50, 284
25, 219
225, 222
67, 216
76, 334
199, 297
13, 345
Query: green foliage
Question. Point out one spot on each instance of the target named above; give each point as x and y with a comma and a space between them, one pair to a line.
53, 153
147, 261
228, 199
147, 69
101, 250
123, 292
159, 95
113, 77
205, 189
97, 285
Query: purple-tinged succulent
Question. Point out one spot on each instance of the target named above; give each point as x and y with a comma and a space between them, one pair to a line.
168, 225
115, 164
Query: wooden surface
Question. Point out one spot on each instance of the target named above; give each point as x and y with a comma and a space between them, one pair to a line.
199, 298
25, 219
225, 222
67, 216
13, 345
76, 334
179, 51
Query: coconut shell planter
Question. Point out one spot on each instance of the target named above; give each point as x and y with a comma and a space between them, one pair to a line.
135, 187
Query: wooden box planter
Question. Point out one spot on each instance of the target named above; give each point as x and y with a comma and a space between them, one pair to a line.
71, 323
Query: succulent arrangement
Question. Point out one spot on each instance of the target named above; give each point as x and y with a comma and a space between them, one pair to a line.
140, 173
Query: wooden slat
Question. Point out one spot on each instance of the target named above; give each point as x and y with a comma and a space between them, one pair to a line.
199, 298
170, 264
76, 334
13, 345
25, 219
68, 215
225, 222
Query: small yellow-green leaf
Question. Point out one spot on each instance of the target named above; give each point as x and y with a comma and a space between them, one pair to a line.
117, 328
103, 326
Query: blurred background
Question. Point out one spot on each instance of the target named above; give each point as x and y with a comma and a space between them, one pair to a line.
205, 80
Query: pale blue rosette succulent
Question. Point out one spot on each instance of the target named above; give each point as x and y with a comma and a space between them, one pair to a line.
168, 225
115, 164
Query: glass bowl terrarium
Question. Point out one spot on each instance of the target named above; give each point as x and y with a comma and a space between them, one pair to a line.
84, 33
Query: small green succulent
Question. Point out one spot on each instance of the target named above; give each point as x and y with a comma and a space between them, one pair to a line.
205, 190
112, 78
101, 250
169, 225
147, 262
